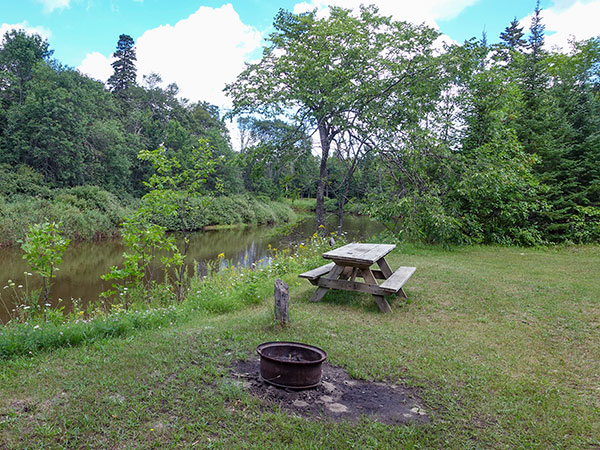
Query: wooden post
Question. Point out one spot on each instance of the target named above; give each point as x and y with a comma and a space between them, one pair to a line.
282, 298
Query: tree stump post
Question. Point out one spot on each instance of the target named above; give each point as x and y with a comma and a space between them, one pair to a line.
282, 298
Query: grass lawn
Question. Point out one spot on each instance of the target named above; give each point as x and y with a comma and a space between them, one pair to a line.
503, 345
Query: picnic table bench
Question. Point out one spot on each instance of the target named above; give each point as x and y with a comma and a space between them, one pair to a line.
355, 260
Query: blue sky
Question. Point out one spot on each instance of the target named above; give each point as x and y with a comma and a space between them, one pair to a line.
201, 45
86, 26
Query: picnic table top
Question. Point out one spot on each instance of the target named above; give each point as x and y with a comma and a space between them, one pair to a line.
355, 253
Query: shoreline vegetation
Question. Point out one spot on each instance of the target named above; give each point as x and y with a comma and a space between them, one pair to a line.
88, 213
228, 289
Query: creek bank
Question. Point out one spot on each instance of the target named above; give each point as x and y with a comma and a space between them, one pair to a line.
88, 213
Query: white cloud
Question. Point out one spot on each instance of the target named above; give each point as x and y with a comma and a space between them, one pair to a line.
96, 65
51, 5
568, 19
201, 53
43, 32
427, 11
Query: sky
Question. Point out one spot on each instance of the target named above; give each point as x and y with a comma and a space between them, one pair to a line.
202, 45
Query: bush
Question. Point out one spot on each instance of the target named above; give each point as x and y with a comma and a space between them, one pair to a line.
22, 181
231, 210
86, 212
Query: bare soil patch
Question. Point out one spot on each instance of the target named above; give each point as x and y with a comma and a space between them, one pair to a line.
338, 397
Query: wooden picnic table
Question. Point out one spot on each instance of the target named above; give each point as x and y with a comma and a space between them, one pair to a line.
355, 260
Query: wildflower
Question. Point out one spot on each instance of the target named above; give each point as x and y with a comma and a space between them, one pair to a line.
80, 312
36, 327
20, 286
221, 255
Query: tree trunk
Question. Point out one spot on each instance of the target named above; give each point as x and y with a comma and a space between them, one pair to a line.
324, 137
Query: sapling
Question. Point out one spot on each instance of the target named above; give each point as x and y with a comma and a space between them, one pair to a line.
175, 190
145, 242
43, 248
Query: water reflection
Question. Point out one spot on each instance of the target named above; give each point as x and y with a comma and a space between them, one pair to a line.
83, 263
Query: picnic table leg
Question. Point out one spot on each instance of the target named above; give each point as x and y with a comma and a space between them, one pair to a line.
346, 273
334, 274
385, 268
384, 306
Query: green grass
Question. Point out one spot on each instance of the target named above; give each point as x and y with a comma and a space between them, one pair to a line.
503, 345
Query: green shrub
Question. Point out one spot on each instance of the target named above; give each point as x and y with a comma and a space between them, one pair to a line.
22, 181
230, 210
86, 212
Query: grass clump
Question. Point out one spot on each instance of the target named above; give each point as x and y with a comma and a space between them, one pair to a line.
352, 206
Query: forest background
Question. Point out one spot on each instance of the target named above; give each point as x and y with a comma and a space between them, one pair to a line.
469, 143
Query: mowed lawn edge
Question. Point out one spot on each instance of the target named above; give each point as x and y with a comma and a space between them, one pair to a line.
501, 343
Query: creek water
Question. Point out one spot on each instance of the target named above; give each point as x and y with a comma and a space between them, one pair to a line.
84, 262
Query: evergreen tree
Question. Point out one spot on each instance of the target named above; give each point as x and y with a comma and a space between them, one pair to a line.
124, 66
535, 75
512, 36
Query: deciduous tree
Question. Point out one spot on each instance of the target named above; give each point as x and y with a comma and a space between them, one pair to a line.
328, 74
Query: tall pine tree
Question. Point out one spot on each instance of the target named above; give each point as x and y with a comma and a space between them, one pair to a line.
124, 65
512, 36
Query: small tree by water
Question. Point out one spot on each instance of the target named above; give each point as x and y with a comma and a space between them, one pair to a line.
145, 242
44, 246
175, 191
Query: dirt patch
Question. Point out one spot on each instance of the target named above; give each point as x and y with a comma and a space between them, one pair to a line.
338, 397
